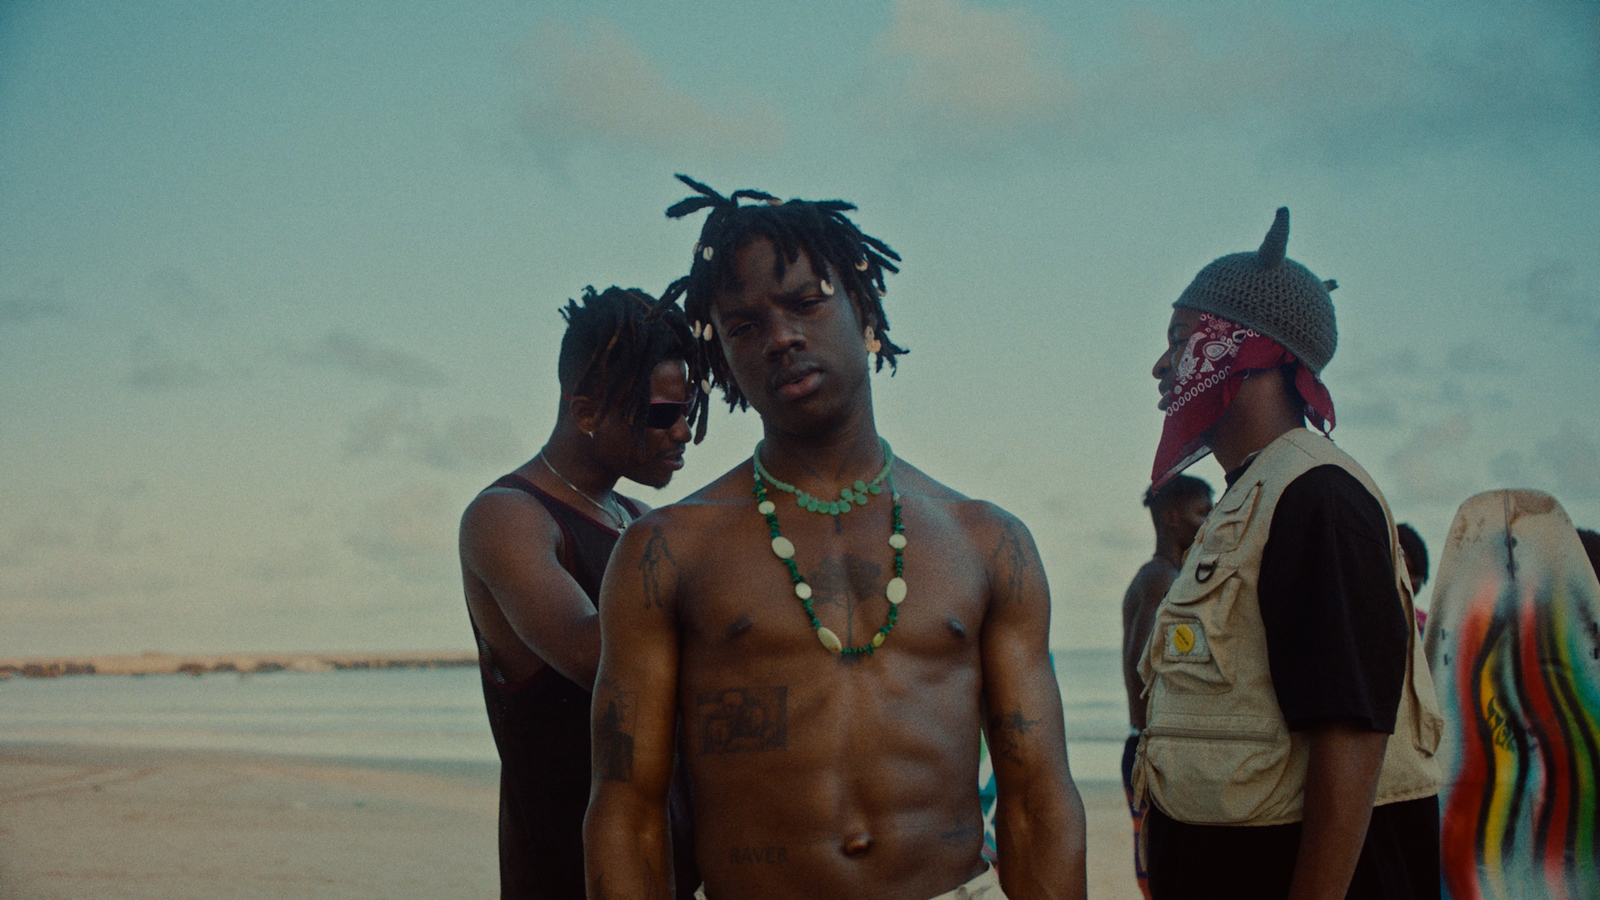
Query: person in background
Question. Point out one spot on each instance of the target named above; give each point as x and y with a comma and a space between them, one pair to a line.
1291, 721
534, 546
1591, 547
1416, 564
1176, 510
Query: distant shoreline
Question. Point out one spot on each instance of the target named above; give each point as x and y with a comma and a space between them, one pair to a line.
203, 663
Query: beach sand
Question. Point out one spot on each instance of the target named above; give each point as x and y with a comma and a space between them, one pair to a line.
80, 822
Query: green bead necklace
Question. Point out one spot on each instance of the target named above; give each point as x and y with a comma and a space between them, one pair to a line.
857, 494
783, 548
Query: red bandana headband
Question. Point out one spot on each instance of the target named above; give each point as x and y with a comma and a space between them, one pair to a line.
1219, 356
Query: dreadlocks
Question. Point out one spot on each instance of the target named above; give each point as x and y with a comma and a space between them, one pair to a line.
837, 249
613, 342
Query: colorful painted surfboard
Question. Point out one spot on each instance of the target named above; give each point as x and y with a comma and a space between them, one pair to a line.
1514, 647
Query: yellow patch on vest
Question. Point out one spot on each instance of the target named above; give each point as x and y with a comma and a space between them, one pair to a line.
1186, 642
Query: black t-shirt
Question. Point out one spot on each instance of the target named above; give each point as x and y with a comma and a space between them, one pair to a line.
1336, 631
1337, 640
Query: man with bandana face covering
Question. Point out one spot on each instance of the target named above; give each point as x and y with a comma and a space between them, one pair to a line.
1291, 724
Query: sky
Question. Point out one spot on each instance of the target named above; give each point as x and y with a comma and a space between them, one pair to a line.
279, 282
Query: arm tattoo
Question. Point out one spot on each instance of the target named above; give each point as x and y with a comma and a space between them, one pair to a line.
613, 735
655, 552
740, 720
1006, 733
1012, 563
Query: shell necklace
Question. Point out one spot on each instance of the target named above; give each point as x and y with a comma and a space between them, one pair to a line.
783, 548
858, 493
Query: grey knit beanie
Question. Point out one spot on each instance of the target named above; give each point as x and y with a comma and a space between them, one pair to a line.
1272, 294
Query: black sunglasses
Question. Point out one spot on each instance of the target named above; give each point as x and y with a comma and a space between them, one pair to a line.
662, 414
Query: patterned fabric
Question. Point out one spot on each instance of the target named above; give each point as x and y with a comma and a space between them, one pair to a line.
1272, 294
1137, 807
1219, 356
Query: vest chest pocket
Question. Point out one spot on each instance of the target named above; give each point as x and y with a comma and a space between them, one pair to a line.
1189, 647
1225, 527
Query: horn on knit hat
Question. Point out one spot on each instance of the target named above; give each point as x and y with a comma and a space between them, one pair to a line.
1272, 251
1272, 294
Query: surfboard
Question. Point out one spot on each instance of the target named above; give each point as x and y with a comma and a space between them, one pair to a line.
1514, 647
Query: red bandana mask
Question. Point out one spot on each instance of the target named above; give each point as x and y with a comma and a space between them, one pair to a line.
1219, 356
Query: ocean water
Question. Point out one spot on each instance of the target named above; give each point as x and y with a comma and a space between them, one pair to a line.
414, 715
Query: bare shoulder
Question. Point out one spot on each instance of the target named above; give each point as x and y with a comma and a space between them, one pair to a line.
984, 523
1153, 580
688, 524
504, 516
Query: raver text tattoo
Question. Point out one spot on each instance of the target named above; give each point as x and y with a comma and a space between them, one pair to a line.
768, 855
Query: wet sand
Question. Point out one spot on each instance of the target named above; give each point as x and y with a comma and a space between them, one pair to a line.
97, 822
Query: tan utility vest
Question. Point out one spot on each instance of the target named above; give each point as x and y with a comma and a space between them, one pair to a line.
1216, 749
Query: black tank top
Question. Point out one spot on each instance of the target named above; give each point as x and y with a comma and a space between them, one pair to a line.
541, 728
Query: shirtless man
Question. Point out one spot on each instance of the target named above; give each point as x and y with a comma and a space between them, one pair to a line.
1177, 510
824, 761
534, 546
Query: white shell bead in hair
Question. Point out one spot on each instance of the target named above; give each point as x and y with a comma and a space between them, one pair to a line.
705, 385
827, 287
774, 201
861, 264
705, 254
707, 333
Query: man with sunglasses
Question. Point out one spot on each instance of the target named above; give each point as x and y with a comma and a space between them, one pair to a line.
534, 546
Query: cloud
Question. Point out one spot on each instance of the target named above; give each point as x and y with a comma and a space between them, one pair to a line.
953, 74
1574, 459
1551, 290
1424, 467
304, 561
404, 431
1478, 358
1377, 412
155, 369
179, 292
60, 527
412, 532
596, 85
23, 310
973, 69
1509, 469
89, 578
343, 350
